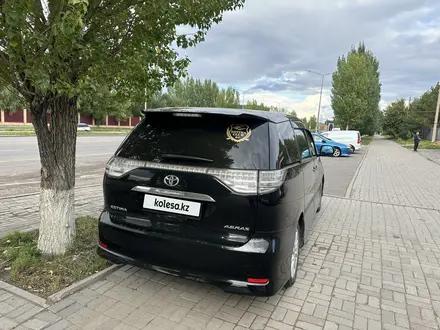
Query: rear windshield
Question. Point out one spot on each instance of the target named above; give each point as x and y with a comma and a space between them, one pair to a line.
208, 141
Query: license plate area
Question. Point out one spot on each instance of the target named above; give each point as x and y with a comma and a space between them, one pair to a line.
172, 205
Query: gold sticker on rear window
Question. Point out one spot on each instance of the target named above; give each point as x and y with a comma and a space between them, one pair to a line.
238, 132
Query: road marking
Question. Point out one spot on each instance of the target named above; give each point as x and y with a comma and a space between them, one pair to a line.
38, 159
85, 176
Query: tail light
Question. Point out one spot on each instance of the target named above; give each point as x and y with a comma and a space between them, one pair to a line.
240, 181
359, 140
258, 280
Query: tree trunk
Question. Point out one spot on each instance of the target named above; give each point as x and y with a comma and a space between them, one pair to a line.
57, 147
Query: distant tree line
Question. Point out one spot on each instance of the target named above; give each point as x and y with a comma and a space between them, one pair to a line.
189, 92
204, 93
403, 118
311, 122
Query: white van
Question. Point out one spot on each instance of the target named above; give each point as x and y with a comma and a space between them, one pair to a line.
351, 138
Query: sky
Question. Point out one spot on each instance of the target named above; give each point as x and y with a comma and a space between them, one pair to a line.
266, 48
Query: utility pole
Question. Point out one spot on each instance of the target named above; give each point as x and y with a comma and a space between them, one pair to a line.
435, 128
320, 94
319, 106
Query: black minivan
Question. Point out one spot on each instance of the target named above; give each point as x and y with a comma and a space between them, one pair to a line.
223, 196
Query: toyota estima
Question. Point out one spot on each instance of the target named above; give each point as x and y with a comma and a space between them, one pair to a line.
224, 196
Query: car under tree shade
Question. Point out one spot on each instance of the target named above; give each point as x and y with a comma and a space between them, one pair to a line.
224, 196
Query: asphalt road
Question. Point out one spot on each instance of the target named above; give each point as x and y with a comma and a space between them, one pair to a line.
20, 165
339, 172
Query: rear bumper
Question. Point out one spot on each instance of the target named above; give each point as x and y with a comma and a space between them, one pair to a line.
213, 264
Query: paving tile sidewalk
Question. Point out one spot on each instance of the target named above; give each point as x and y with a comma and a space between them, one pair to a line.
21, 213
395, 175
372, 262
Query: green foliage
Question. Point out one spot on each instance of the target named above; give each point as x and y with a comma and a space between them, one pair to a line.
11, 100
356, 91
255, 106
310, 123
197, 93
423, 108
396, 120
84, 46
402, 119
105, 102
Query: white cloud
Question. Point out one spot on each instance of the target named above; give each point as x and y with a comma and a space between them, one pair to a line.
268, 48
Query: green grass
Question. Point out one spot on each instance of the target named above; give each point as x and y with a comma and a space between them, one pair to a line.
366, 140
423, 144
22, 265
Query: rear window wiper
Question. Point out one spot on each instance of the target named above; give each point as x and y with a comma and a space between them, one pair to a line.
183, 157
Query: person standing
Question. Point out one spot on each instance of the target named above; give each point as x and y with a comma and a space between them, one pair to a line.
416, 141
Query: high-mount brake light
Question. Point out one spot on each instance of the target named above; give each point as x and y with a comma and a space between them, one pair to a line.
182, 114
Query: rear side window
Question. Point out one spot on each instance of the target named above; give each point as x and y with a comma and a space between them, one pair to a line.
303, 145
311, 143
288, 148
208, 141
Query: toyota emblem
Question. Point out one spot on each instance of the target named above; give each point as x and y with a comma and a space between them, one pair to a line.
171, 180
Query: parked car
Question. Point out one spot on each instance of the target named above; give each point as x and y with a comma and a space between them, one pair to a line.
83, 127
326, 146
351, 138
218, 195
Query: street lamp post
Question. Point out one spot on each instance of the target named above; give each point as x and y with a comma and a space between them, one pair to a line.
437, 111
320, 95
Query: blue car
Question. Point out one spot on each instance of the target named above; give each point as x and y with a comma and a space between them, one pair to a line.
326, 146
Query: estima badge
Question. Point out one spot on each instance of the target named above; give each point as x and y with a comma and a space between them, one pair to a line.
237, 228
171, 180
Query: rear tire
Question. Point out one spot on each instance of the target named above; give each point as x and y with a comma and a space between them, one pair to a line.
294, 259
352, 149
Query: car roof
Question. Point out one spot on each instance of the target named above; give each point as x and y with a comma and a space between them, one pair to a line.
275, 117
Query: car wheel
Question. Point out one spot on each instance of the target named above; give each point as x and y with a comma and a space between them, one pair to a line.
320, 197
294, 259
336, 152
352, 149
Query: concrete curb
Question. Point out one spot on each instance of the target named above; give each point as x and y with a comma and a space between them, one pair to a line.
23, 294
75, 287
427, 158
350, 186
